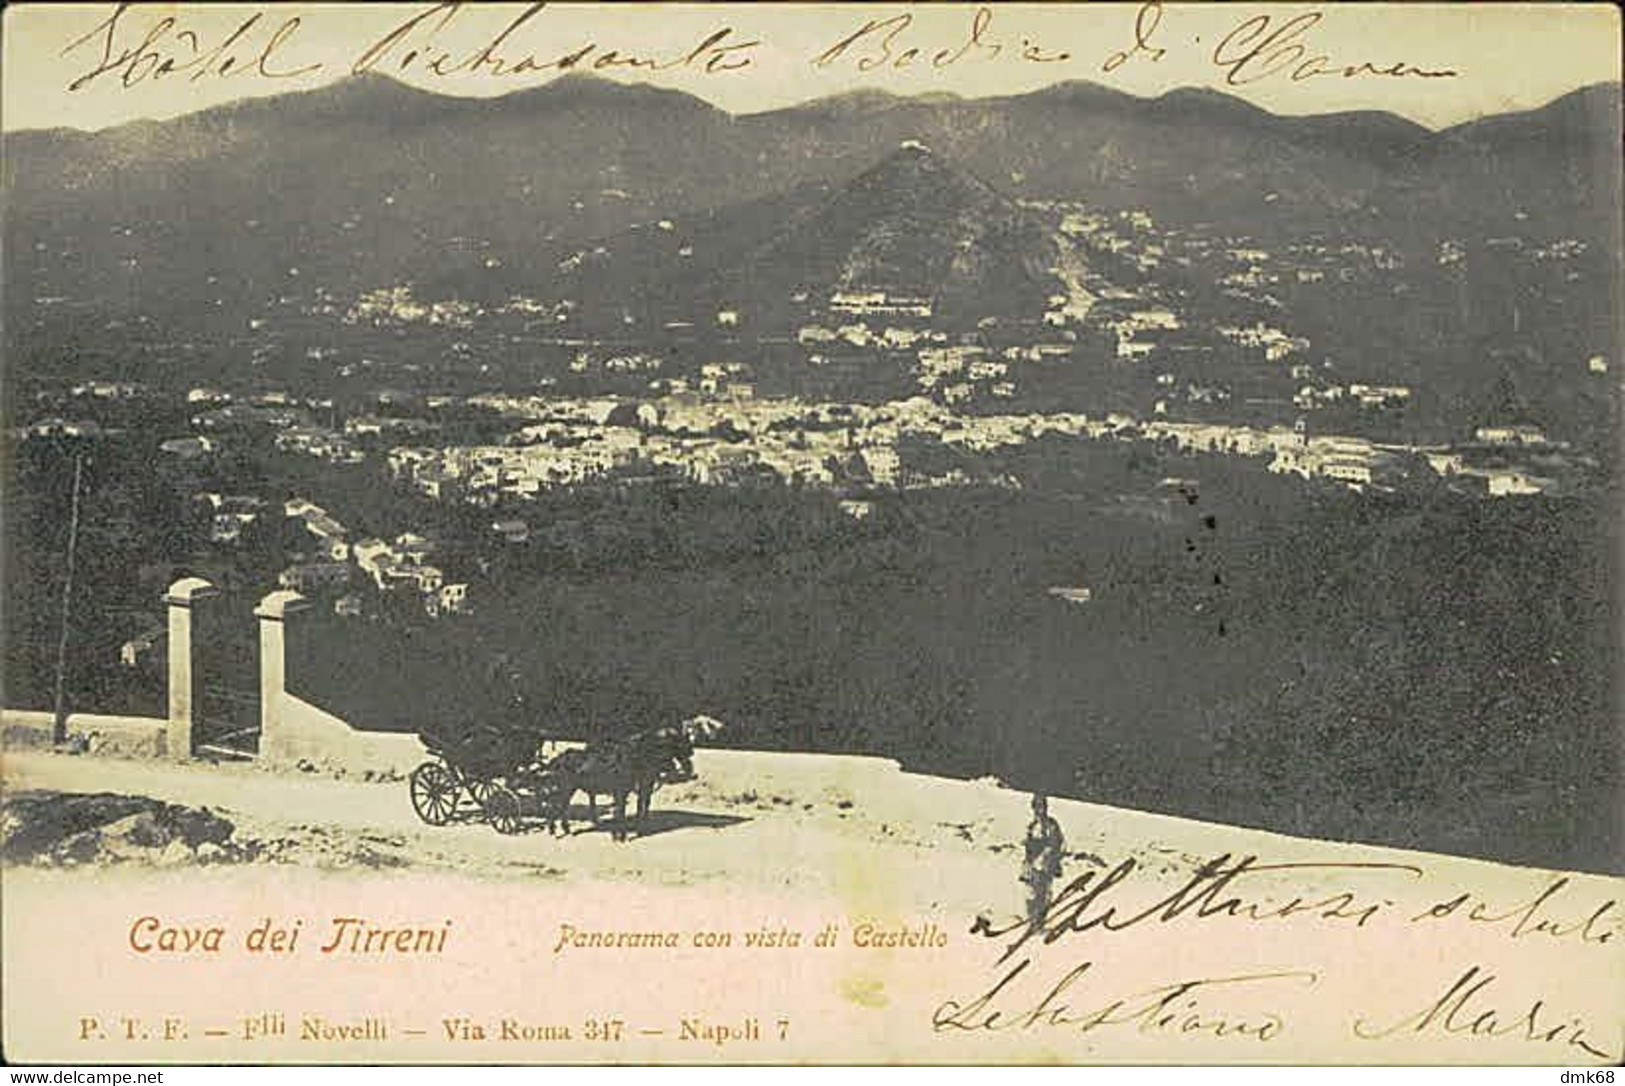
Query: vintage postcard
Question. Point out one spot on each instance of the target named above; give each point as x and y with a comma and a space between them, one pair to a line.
812, 533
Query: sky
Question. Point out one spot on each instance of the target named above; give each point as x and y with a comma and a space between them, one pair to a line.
92, 66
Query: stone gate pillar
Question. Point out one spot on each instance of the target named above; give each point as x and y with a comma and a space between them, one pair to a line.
182, 598
273, 611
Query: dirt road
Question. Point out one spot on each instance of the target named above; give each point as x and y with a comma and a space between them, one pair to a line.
808, 824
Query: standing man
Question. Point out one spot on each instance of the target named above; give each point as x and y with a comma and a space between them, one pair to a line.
1042, 864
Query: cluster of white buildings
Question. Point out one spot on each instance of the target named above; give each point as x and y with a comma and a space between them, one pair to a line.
230, 514
1131, 234
329, 538
1519, 434
57, 426
715, 441
879, 303
1128, 329
1350, 460
860, 334
320, 442
1311, 397
109, 390
401, 564
709, 441
327, 565
630, 362
1498, 480
483, 474
397, 305
1275, 343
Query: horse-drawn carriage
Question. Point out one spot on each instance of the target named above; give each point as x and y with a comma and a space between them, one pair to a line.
504, 776
500, 775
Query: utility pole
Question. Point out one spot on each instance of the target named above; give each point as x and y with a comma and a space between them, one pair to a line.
59, 725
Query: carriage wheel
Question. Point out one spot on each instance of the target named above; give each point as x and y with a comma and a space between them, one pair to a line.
434, 793
481, 790
502, 809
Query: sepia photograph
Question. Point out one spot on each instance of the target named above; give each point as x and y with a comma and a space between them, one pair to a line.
813, 533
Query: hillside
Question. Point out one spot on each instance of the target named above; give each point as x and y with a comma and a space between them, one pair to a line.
912, 225
367, 182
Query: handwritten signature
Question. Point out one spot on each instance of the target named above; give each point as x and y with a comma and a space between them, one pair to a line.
1465, 1010
1258, 48
1184, 1007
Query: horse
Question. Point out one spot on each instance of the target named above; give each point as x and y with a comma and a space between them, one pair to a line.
630, 765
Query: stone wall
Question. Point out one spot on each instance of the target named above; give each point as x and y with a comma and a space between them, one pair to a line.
298, 734
114, 736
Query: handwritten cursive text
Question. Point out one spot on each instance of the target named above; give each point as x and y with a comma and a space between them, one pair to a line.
881, 43
1465, 1011
413, 46
170, 47
1081, 907
1257, 49
1181, 1008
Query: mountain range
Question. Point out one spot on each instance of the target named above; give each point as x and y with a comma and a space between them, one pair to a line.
369, 182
